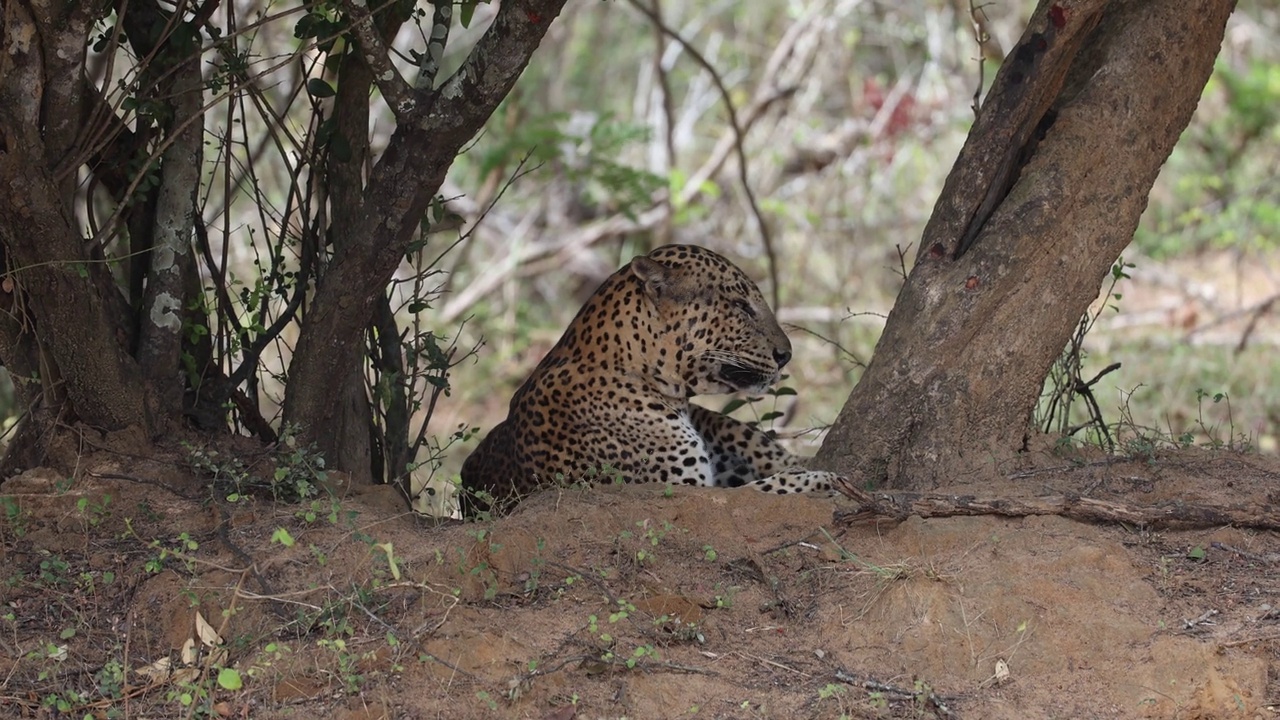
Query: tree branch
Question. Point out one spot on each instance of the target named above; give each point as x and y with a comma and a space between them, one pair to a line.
739, 135
1173, 514
399, 96
399, 191
429, 64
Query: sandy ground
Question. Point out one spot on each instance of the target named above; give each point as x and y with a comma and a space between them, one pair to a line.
637, 602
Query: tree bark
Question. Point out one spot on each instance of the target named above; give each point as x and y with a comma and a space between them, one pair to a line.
171, 261
344, 180
47, 263
41, 87
1043, 198
432, 126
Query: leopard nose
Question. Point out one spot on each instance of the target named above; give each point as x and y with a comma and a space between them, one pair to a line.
782, 357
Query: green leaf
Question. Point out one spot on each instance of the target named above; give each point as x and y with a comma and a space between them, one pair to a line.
307, 26
1197, 553
283, 537
467, 8
320, 89
229, 679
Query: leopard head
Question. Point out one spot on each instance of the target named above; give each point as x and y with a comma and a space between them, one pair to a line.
714, 330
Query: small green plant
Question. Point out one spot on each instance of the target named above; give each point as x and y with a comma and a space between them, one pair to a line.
1065, 387
88, 580
650, 536
487, 576
1145, 443
763, 420
725, 595
1211, 432
93, 512
834, 692
622, 613
348, 662
13, 515
53, 571
538, 562
484, 697
606, 474
183, 548
298, 474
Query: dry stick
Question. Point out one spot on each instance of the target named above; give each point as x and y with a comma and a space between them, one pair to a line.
642, 630
1085, 390
1253, 310
1244, 553
581, 239
738, 135
1173, 514
1261, 309
1203, 618
873, 685
769, 92
205, 673
978, 19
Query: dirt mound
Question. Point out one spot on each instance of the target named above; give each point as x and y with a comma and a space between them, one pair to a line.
642, 601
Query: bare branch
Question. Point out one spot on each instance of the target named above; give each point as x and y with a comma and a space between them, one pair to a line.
738, 135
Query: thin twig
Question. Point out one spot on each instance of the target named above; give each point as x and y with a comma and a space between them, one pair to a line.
738, 137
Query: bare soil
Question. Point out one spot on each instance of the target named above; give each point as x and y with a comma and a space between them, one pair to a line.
638, 602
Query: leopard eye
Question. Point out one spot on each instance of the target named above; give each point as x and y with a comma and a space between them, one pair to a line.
744, 306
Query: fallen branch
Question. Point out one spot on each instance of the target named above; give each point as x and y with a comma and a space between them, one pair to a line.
1172, 514
920, 694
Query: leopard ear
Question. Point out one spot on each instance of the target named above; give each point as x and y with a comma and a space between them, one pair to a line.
655, 276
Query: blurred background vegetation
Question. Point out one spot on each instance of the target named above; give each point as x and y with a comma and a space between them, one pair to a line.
628, 131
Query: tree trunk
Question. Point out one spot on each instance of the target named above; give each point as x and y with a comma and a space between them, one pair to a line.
41, 87
347, 158
172, 263
1043, 198
432, 126
47, 263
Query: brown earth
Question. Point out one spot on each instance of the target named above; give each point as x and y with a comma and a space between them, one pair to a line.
638, 602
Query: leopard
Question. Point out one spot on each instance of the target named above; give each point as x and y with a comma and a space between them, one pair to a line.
611, 400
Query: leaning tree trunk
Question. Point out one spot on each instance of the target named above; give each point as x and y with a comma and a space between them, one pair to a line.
1043, 198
